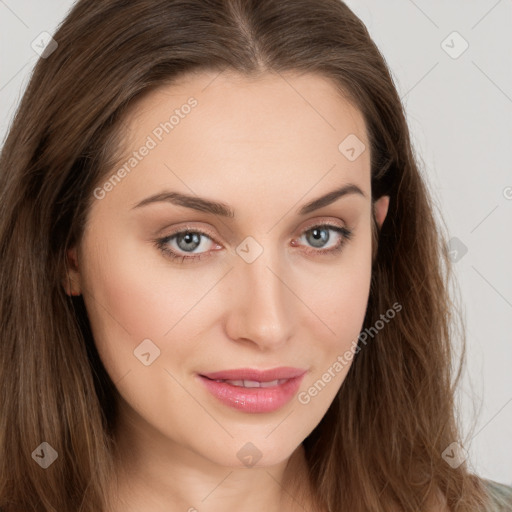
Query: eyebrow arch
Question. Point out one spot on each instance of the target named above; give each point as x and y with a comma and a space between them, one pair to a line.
330, 197
217, 208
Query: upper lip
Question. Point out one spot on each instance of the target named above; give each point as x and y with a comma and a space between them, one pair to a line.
283, 372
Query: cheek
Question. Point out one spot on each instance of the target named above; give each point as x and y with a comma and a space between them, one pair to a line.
340, 300
343, 298
138, 288
134, 294
338, 295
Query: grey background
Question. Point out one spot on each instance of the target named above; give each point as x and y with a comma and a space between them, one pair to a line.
460, 114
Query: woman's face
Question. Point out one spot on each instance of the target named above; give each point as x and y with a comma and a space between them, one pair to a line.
227, 244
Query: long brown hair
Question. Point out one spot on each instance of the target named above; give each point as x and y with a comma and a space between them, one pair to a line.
380, 445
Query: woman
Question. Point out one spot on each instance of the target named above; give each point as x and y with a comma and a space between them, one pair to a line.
223, 287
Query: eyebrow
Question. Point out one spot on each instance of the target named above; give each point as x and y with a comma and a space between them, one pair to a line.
218, 208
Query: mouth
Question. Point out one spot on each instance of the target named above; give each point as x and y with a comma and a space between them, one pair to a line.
252, 390
252, 383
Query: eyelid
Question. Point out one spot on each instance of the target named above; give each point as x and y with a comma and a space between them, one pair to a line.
187, 227
323, 221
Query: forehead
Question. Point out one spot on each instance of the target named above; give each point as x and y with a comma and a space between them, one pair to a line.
211, 129
288, 100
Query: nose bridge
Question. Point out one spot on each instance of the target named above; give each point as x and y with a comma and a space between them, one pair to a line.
260, 311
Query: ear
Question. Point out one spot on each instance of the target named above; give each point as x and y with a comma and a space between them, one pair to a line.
381, 209
71, 279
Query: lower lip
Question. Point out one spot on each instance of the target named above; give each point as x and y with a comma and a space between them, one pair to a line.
253, 400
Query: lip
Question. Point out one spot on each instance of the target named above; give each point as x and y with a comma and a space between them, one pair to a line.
254, 399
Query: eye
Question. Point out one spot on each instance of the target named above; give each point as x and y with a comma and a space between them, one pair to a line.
193, 244
187, 244
325, 238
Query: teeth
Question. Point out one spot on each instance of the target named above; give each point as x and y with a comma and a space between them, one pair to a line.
271, 383
250, 384
253, 383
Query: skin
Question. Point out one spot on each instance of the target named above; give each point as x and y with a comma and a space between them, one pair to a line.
264, 147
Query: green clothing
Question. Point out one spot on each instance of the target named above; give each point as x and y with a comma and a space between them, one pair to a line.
500, 494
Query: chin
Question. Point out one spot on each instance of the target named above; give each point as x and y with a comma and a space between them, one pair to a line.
253, 452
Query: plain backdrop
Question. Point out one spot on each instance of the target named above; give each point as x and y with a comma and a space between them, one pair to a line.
452, 65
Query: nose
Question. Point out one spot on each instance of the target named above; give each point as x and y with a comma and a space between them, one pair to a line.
262, 309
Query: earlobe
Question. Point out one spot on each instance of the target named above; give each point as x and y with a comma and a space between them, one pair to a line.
381, 209
71, 279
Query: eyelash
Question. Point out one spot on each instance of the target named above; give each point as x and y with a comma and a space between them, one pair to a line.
161, 243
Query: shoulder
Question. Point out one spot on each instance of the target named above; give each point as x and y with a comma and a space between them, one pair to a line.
500, 495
